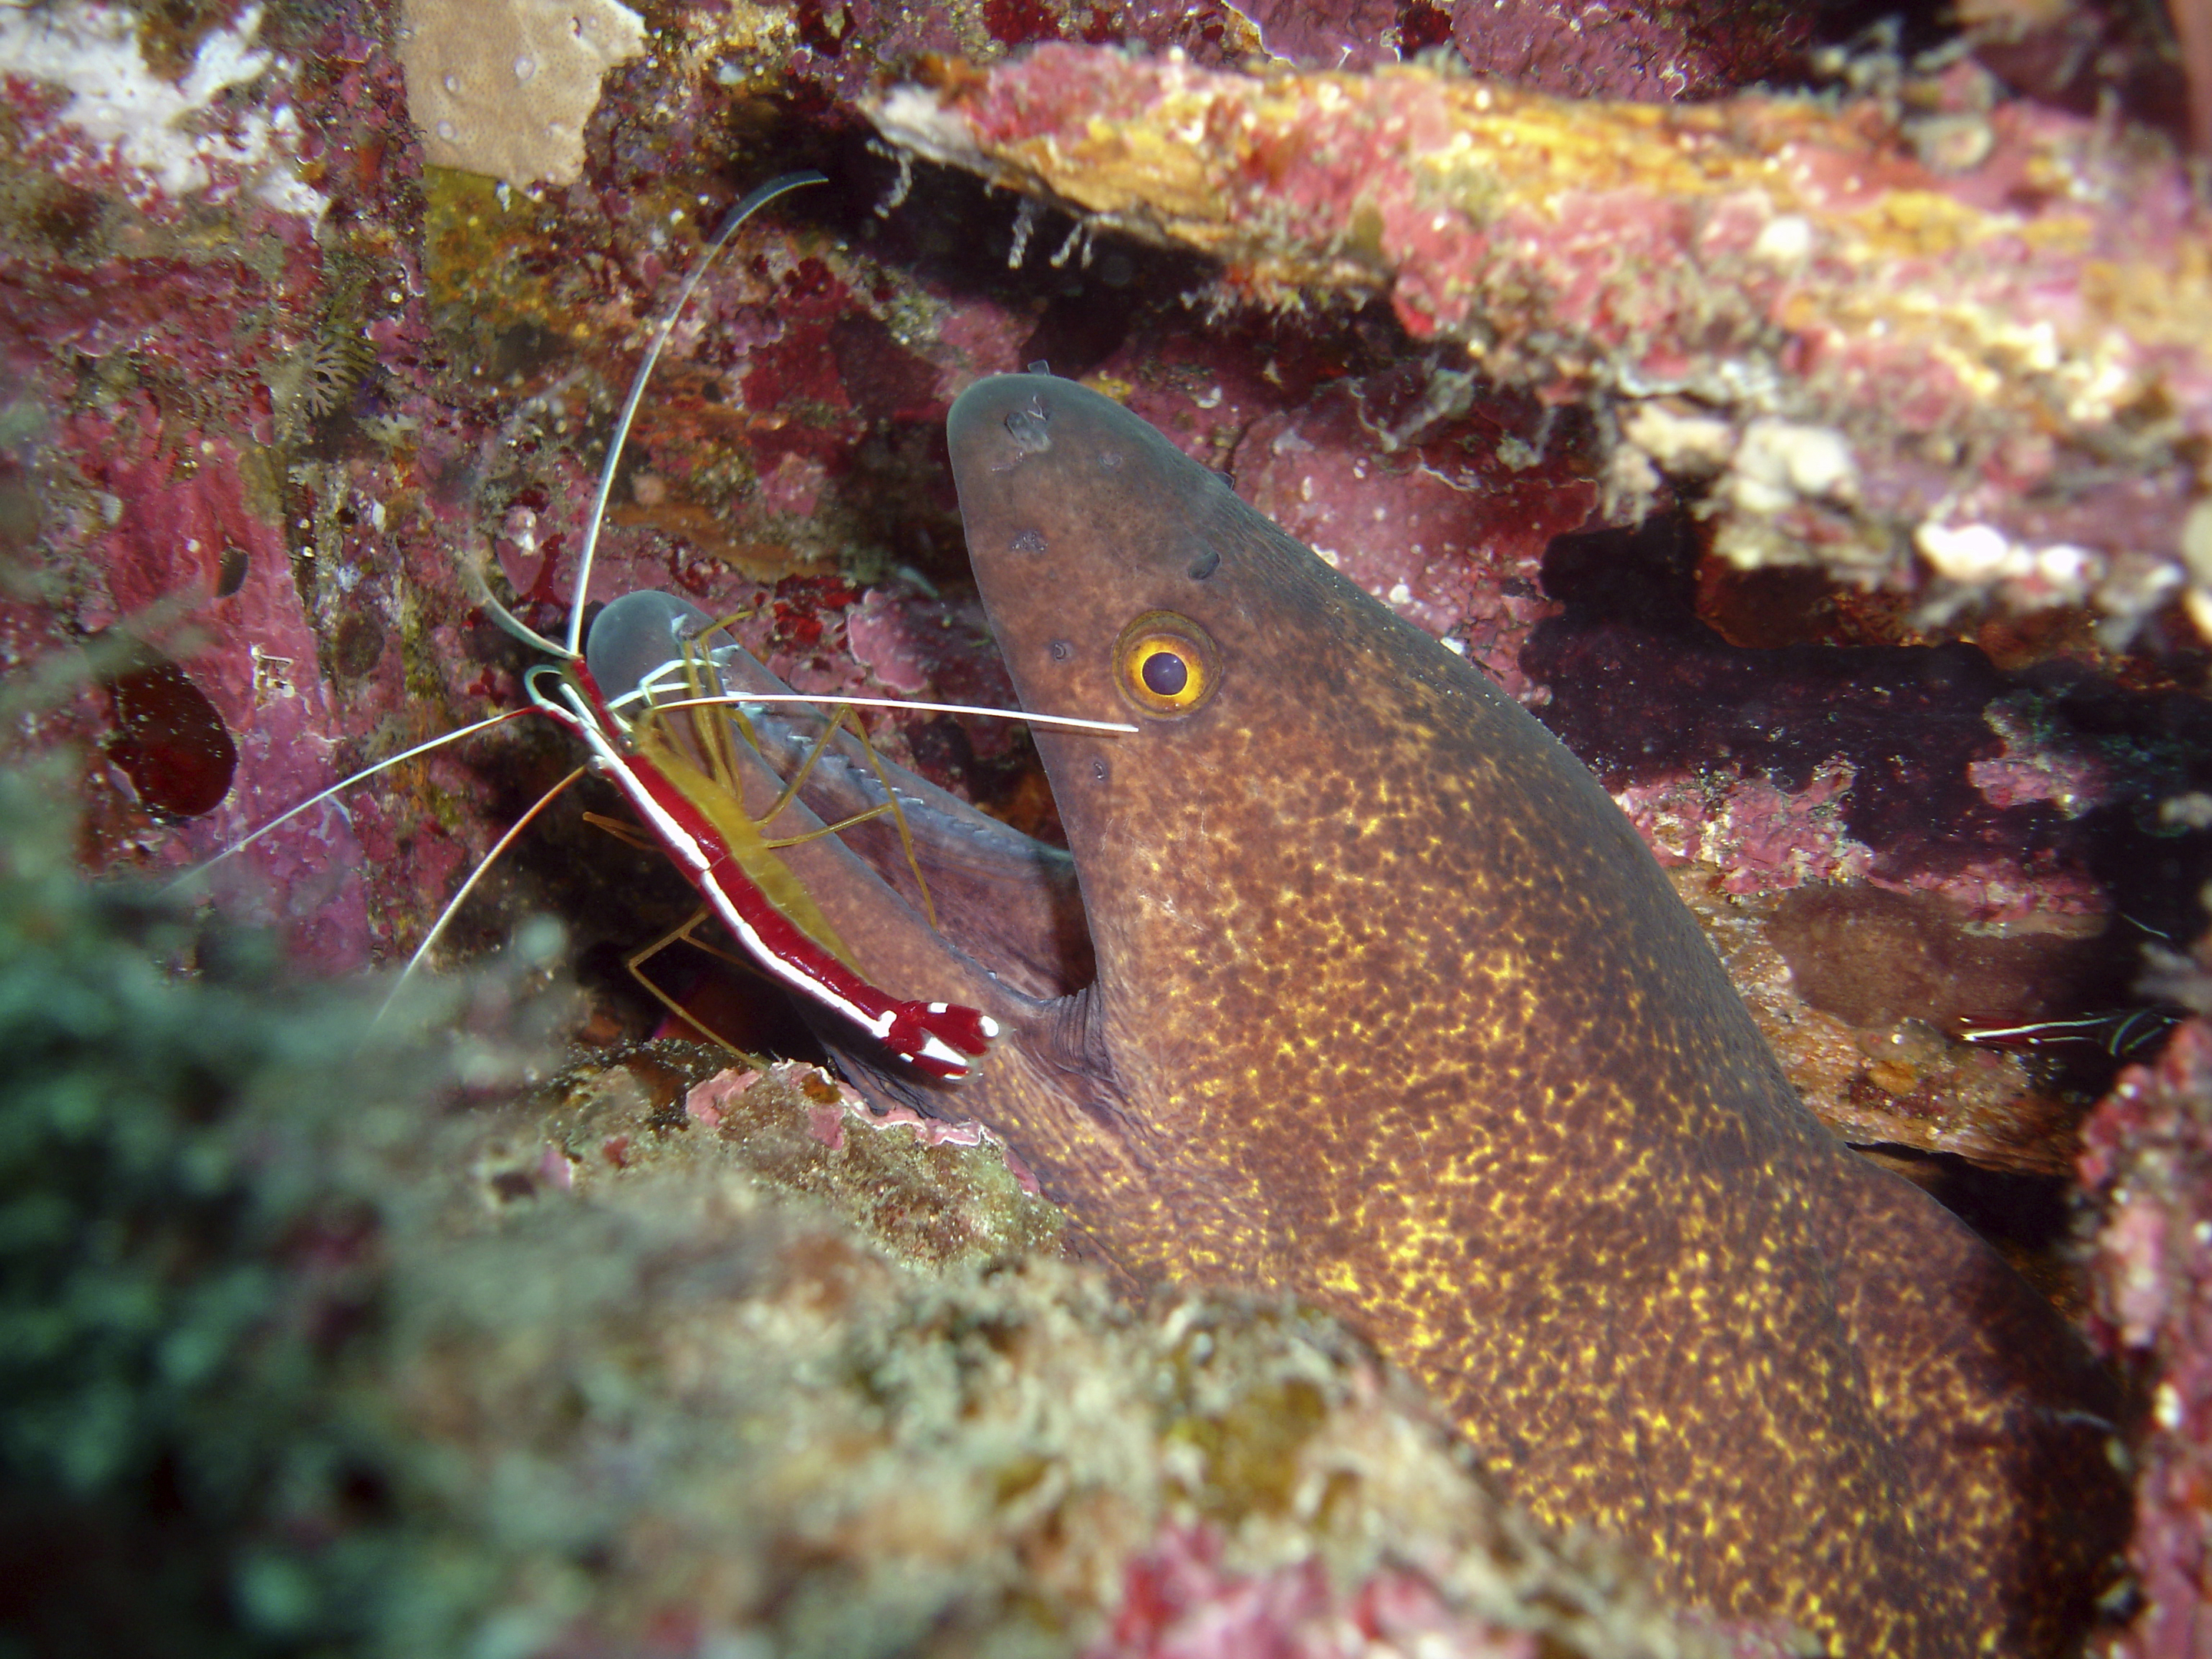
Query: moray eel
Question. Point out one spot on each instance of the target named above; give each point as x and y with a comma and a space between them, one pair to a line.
1392, 1010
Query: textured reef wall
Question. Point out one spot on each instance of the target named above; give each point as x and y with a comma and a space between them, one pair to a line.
1813, 432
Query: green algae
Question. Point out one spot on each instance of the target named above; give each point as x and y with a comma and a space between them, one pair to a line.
187, 1186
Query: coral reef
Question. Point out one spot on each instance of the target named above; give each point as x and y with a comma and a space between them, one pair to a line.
166, 136
1993, 838
268, 384
1658, 53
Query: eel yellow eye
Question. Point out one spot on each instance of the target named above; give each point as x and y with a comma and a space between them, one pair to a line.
1166, 664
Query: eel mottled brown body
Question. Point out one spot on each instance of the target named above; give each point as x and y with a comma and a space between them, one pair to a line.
1393, 1011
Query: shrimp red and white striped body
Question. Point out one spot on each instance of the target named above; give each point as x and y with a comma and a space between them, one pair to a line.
684, 803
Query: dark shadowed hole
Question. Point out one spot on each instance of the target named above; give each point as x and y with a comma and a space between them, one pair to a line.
169, 739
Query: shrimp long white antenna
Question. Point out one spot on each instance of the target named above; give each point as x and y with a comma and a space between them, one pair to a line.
749, 699
339, 788
453, 904
743, 211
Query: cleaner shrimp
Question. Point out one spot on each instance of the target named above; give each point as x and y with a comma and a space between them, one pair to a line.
665, 706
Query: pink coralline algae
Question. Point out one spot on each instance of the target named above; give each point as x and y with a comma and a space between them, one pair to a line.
910, 642
1857, 344
1623, 49
2148, 1156
1439, 502
179, 315
831, 1106
2030, 770
1653, 54
1765, 839
1918, 818
1179, 1603
192, 546
1181, 1599
1910, 767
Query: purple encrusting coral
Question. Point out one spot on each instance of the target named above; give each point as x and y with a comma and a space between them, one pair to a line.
1632, 50
269, 389
2147, 1157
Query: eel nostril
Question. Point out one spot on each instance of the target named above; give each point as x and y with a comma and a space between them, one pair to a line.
1029, 428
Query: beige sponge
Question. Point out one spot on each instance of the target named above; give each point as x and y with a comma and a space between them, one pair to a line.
504, 86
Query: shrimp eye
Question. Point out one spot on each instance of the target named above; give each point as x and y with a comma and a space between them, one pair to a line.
1165, 664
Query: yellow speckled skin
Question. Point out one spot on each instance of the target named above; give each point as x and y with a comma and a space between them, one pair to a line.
1393, 1011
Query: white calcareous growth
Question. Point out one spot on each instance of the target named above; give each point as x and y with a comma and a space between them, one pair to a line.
1779, 463
166, 136
2196, 561
503, 87
2057, 573
1681, 440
